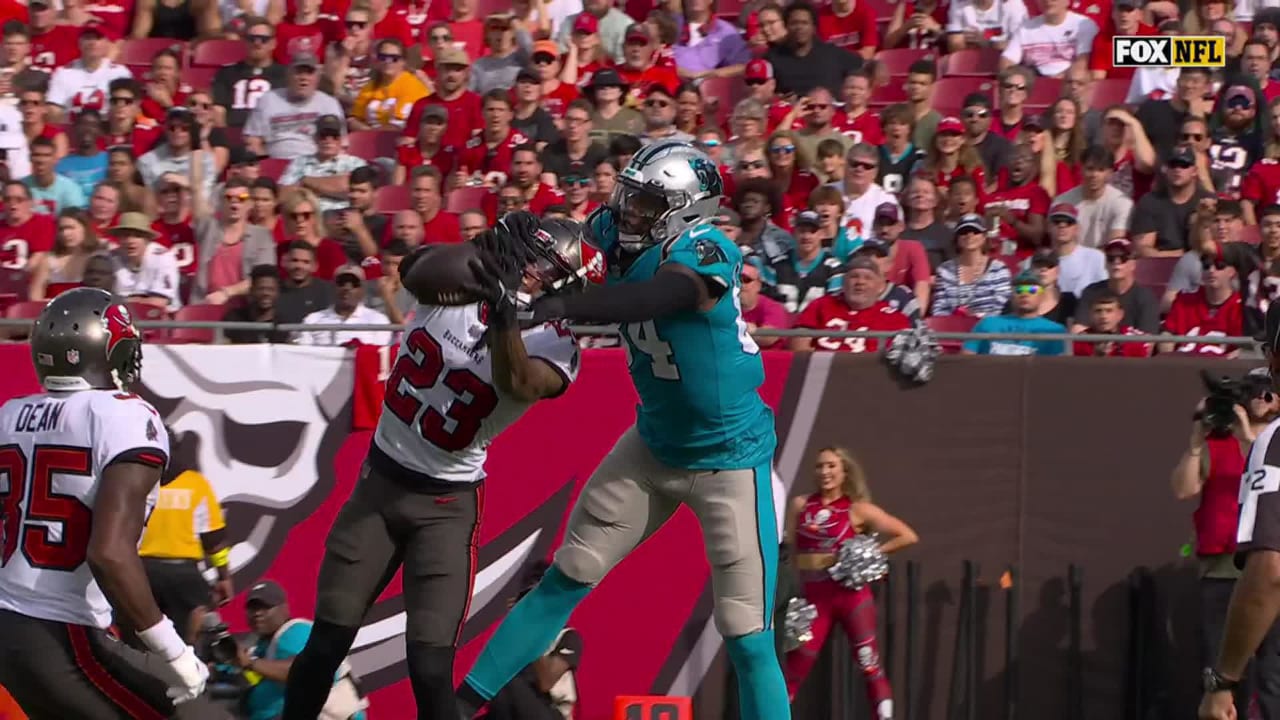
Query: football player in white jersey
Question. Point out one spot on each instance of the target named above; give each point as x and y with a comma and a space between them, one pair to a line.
463, 374
79, 468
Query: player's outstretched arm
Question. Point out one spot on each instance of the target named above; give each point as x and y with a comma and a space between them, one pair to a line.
113, 545
673, 289
514, 372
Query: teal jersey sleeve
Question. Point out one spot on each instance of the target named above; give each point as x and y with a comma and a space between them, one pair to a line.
982, 326
706, 250
292, 641
845, 246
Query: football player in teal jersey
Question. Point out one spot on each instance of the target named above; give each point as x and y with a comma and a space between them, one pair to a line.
702, 438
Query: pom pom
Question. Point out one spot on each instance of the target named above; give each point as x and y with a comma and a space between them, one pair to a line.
913, 353
797, 628
859, 562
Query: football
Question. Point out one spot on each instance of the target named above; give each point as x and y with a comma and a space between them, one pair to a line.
443, 274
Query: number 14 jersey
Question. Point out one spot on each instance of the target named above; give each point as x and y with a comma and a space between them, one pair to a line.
53, 450
442, 408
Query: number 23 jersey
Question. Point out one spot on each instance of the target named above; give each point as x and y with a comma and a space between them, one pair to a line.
697, 372
442, 408
53, 450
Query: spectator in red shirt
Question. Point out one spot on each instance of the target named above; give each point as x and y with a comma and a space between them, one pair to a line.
467, 27
1019, 206
1133, 159
1126, 19
463, 106
908, 262
429, 149
787, 163
24, 232
438, 225
52, 45
547, 65
264, 208
123, 124
487, 155
302, 223
1255, 62
307, 32
526, 173
577, 196
173, 224
1066, 135
857, 307
850, 24
389, 24
761, 86
949, 157
1105, 317
586, 54
759, 310
856, 120
105, 205
165, 89
638, 69
1215, 310
32, 86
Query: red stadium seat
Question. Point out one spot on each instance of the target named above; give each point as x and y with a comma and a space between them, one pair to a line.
235, 135
466, 198
196, 313
7, 299
883, 9
141, 71
272, 167
889, 94
142, 52
25, 310
1250, 234
14, 281
1045, 92
216, 53
370, 144
898, 60
954, 89
1153, 273
200, 78
391, 198
971, 63
722, 94
951, 323
143, 312
1108, 92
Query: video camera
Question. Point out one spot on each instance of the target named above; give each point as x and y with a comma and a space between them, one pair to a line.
1225, 393
216, 643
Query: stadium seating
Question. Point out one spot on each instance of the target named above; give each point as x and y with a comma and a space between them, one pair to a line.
143, 312
199, 77
897, 61
272, 167
216, 53
370, 144
950, 323
466, 198
954, 89
143, 51
25, 310
1108, 92
1045, 92
392, 198
981, 63
196, 313
1154, 273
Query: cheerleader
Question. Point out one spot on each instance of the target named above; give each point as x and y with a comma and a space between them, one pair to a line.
817, 525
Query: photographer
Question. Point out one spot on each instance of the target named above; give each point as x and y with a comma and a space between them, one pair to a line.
265, 665
1226, 422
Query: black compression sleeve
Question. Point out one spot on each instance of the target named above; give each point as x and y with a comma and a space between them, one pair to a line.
663, 294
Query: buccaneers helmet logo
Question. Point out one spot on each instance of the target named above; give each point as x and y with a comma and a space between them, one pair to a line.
118, 323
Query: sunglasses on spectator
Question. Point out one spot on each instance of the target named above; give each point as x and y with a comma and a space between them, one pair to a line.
15, 198
177, 126
328, 135
747, 279
543, 59
1012, 86
1206, 264
348, 281
1192, 137
712, 143
236, 197
389, 57
976, 114
819, 106
194, 105
657, 103
862, 165
755, 81
1026, 289
115, 100
260, 39
441, 38
357, 24
782, 149
303, 215
1239, 102
572, 181
1119, 258
1180, 165
752, 165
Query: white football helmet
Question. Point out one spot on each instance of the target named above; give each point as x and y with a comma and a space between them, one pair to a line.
667, 187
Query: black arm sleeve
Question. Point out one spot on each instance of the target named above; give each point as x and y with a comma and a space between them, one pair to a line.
663, 294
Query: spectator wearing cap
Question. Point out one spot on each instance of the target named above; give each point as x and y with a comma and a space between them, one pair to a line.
1016, 83
763, 87
84, 82
1051, 42
730, 223
1162, 220
508, 53
575, 152
856, 307
264, 291
948, 156
1141, 307
385, 101
815, 115
925, 223
985, 23
126, 126
348, 309
611, 24
895, 296
429, 147
1216, 309
1103, 209
237, 88
1106, 317
52, 192
908, 263
1162, 118
243, 164
277, 639
640, 69
1238, 129
804, 61
326, 172
282, 124
145, 271
1078, 266
174, 224
972, 283
1019, 205
754, 200
1055, 304
759, 310
1126, 19
584, 54
86, 164
547, 65
1217, 222
809, 271
176, 152
862, 194
486, 157
462, 106
228, 245
898, 154
610, 116
529, 117
1025, 319
995, 151
660, 117
709, 46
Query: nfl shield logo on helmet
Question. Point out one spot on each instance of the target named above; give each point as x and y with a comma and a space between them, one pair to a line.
73, 356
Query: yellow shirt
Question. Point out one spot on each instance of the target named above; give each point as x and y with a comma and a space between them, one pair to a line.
387, 107
185, 509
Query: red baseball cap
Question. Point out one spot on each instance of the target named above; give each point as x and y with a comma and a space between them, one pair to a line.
758, 70
1064, 210
950, 125
586, 23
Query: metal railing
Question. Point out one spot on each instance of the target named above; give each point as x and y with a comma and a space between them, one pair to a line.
612, 331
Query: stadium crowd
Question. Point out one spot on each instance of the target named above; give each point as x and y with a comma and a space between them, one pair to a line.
972, 164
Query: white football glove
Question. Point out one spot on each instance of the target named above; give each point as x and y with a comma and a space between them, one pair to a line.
187, 676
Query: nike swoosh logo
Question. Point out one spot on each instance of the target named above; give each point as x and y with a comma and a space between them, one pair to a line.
445, 500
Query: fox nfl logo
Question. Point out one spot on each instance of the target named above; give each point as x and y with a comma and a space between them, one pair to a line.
1165, 51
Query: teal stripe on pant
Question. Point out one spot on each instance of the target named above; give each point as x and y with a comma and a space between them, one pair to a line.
767, 528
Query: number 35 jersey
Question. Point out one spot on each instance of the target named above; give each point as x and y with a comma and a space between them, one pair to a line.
53, 450
697, 372
442, 408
